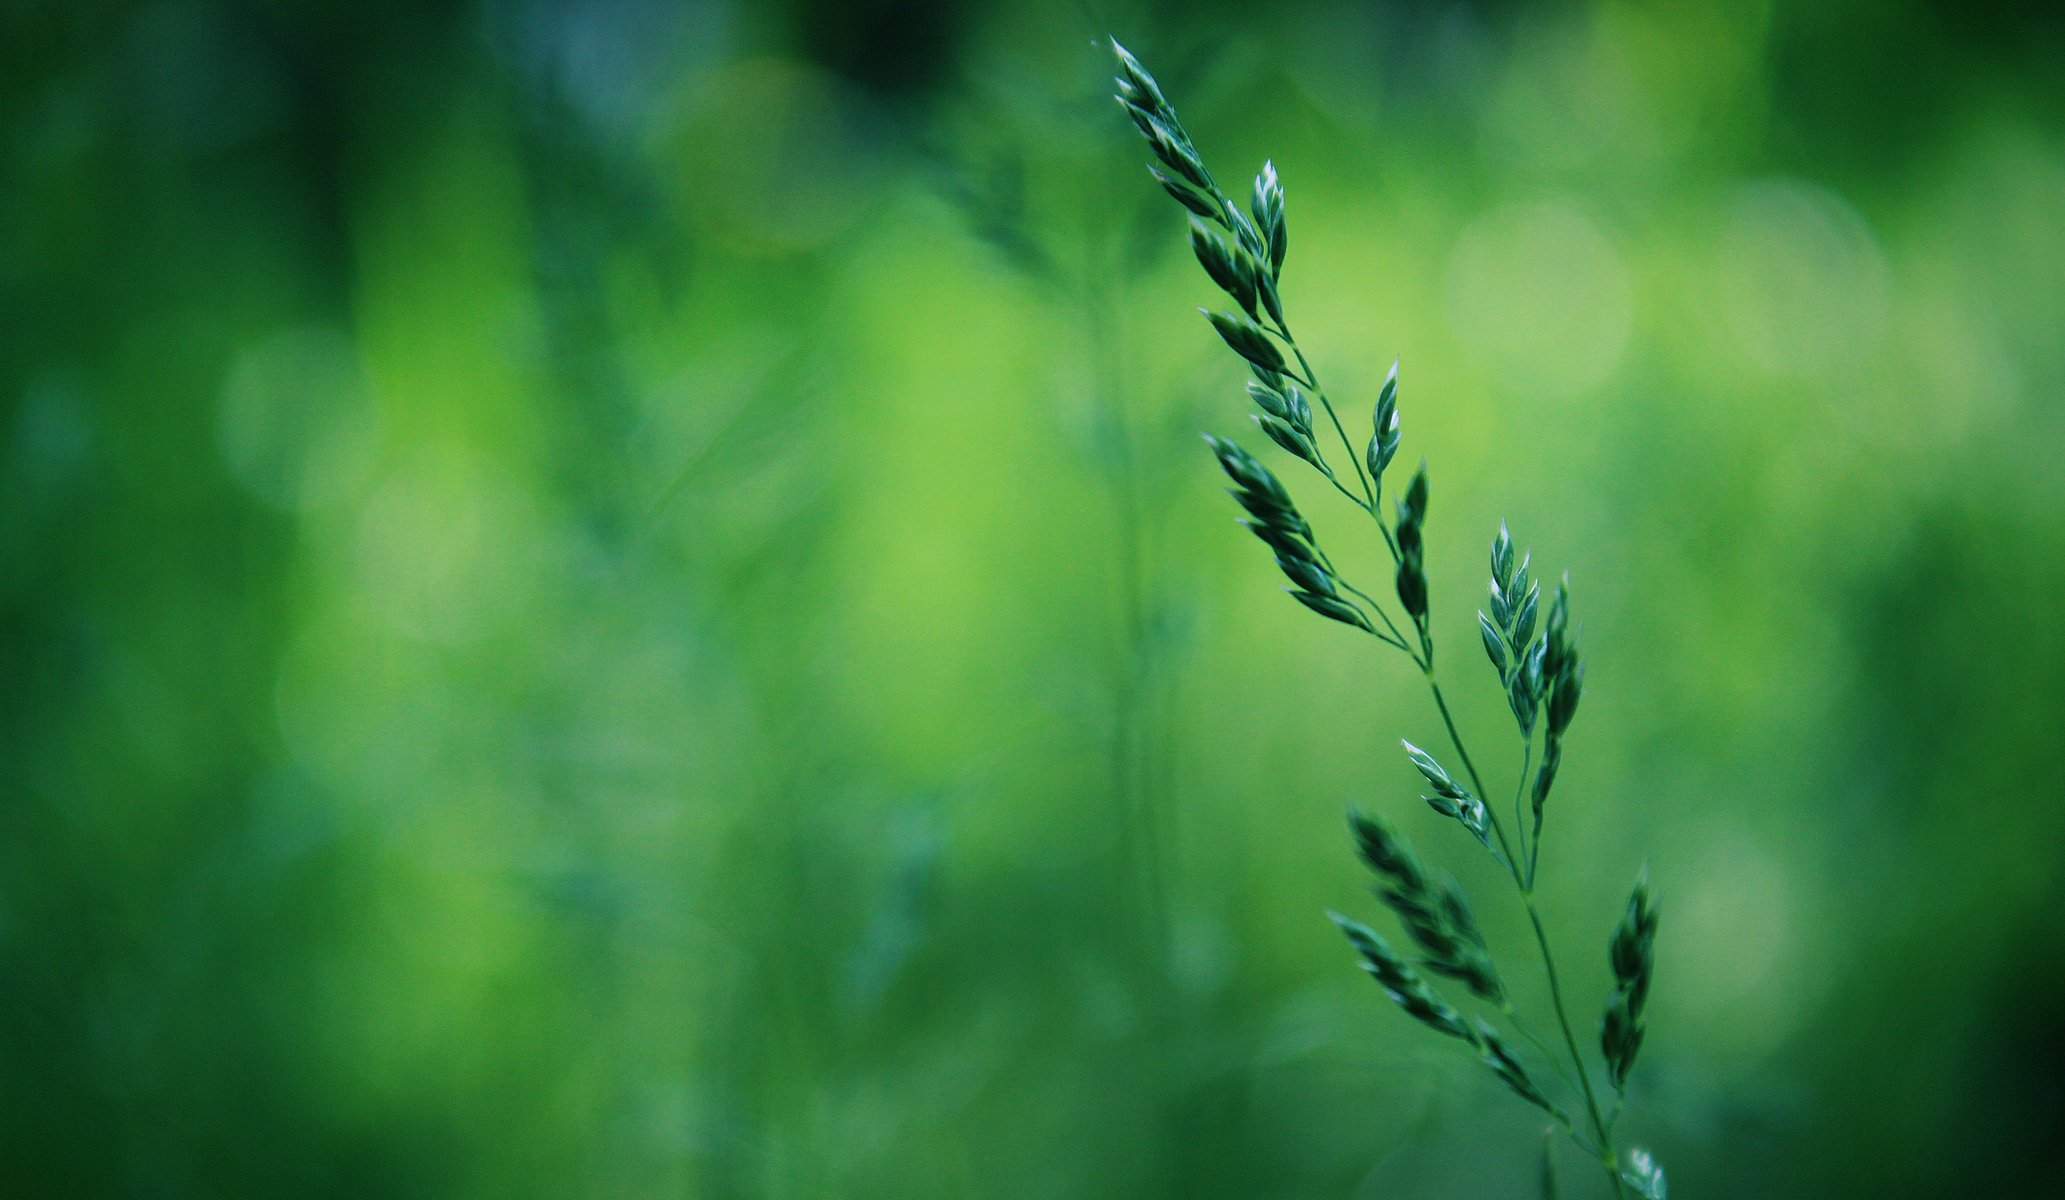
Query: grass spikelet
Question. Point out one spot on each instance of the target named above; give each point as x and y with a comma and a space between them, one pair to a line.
1435, 916
1507, 1066
1403, 984
1645, 1176
1633, 955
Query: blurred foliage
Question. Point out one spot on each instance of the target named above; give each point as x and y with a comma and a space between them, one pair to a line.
619, 598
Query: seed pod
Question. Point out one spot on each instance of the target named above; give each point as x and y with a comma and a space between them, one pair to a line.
1176, 155
1246, 339
1521, 699
1494, 645
1470, 961
1523, 618
1620, 1037
1401, 982
1245, 234
1306, 574
1136, 76
1301, 408
1264, 510
1269, 399
1384, 850
1412, 576
1383, 444
1259, 491
1268, 210
1511, 625
1455, 908
1416, 495
1556, 677
1558, 628
1408, 533
1564, 695
1275, 520
1143, 117
1437, 918
1632, 953
1250, 475
1285, 543
1645, 1175
1507, 1066
1469, 811
1231, 269
1272, 300
1436, 776
1288, 437
1412, 588
1186, 195
1334, 608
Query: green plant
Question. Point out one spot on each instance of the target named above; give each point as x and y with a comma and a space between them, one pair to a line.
1541, 674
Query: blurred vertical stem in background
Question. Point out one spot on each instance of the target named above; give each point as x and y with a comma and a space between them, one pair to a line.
1084, 278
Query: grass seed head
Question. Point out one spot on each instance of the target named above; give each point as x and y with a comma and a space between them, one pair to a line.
1412, 568
1242, 250
1507, 1066
1383, 443
1267, 207
1246, 339
1403, 984
1632, 953
1230, 267
1645, 1175
1436, 916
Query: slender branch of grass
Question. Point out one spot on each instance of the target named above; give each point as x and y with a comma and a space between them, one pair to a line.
1603, 1147
1312, 381
1542, 679
1455, 738
1553, 1057
1394, 637
1520, 819
1541, 938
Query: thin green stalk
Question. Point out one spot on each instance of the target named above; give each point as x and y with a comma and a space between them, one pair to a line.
1555, 1060
1607, 1157
1372, 487
1525, 885
1519, 818
1455, 739
1334, 479
1312, 381
1395, 638
1541, 938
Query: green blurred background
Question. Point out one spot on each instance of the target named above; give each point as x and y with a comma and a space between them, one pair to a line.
619, 598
